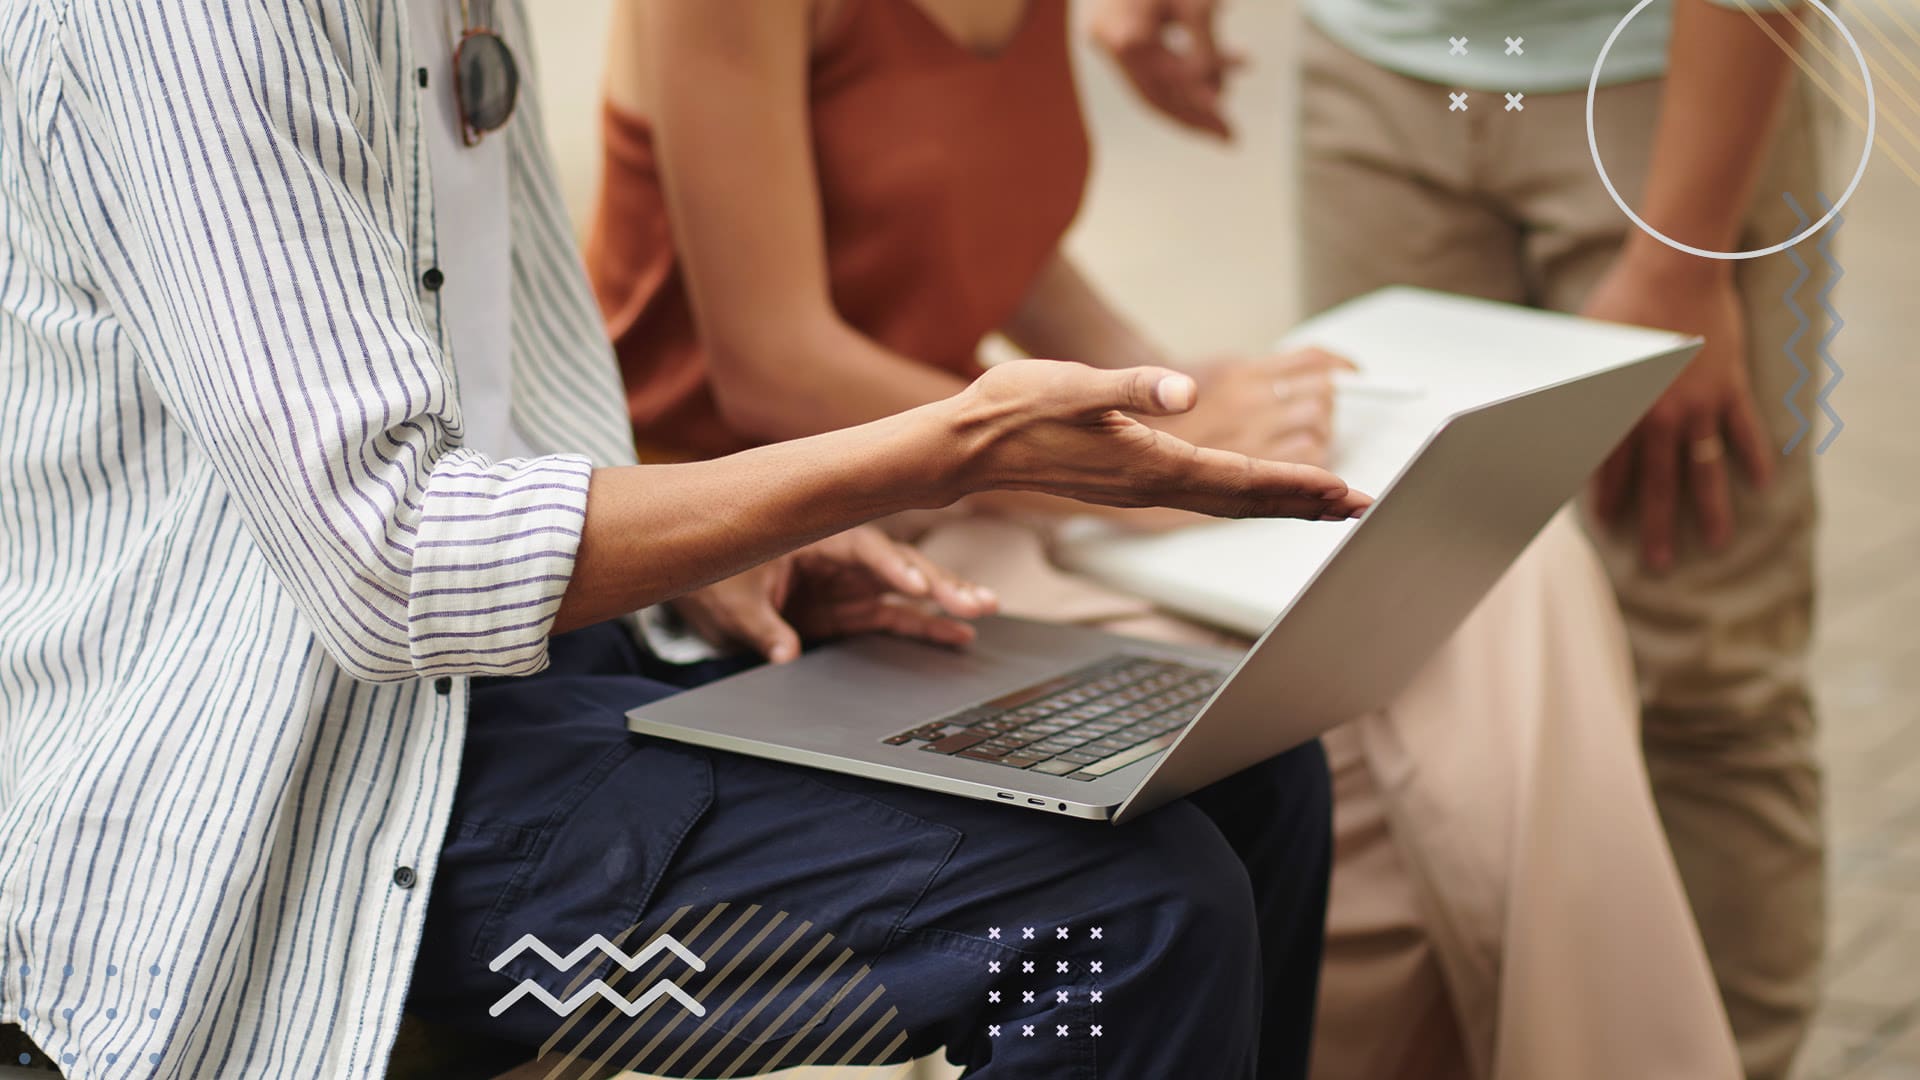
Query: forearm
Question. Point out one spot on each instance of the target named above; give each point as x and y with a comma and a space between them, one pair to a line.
820, 374
1066, 318
654, 532
809, 381
1725, 84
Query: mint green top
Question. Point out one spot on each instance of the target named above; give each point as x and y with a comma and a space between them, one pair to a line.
1561, 38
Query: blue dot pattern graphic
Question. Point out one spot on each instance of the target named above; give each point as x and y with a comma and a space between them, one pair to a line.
112, 1013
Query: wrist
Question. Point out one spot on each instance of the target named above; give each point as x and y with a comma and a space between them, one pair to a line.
967, 428
1657, 264
932, 456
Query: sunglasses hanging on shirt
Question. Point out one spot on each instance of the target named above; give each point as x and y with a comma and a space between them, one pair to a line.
486, 78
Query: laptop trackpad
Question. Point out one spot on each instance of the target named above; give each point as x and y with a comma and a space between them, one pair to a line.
869, 688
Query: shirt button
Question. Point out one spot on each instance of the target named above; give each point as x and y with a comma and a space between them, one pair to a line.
433, 279
405, 877
443, 686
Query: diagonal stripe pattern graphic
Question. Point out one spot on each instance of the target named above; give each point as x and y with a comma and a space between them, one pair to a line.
773, 990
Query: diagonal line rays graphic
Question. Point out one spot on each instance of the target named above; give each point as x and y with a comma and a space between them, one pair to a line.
1883, 143
737, 964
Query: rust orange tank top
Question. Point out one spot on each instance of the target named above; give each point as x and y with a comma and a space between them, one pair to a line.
947, 179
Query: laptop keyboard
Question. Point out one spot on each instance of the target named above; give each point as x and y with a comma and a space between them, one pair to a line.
1081, 725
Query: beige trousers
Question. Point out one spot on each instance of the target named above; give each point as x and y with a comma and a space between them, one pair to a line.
1497, 853
1507, 205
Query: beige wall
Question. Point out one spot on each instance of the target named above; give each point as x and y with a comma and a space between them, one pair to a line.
570, 39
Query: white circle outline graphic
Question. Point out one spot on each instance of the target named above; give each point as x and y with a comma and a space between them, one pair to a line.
1866, 150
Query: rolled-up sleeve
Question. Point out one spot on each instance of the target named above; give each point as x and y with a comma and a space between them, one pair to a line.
246, 187
494, 553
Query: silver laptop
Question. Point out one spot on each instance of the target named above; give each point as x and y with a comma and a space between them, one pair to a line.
1424, 357
1073, 721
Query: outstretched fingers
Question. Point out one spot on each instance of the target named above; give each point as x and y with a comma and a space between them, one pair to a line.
1233, 485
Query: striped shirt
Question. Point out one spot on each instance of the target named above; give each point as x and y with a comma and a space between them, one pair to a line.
246, 560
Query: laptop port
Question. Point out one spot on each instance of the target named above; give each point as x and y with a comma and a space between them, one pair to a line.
1005, 794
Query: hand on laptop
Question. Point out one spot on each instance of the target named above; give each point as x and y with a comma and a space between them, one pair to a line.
857, 582
1276, 407
1065, 429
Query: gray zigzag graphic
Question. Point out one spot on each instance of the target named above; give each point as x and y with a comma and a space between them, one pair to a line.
663, 988
1801, 326
1833, 329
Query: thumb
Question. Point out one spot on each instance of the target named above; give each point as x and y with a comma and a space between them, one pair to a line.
762, 628
1149, 391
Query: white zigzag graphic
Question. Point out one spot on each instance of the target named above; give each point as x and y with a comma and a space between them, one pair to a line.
665, 942
665, 987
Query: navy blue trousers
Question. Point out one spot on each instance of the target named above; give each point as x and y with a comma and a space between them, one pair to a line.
843, 920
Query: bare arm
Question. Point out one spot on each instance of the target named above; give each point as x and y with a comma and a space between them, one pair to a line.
782, 361
1725, 84
654, 532
1064, 316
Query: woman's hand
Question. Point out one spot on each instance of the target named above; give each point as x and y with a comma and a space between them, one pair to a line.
857, 582
1167, 49
1278, 407
1065, 429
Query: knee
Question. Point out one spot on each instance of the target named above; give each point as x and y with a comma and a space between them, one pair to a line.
1292, 793
1201, 898
1301, 784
